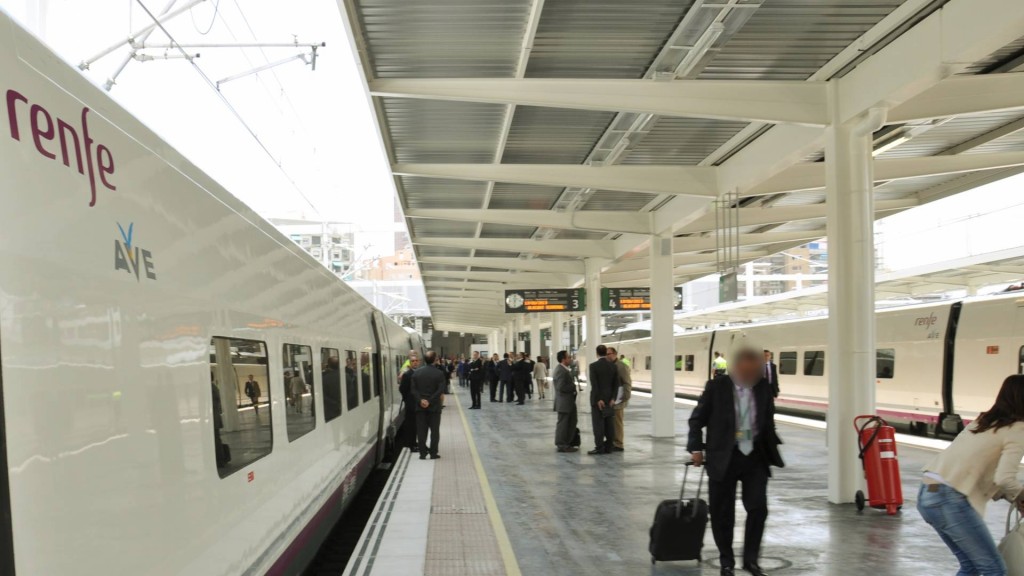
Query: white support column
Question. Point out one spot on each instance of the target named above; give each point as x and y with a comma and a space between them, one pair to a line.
851, 297
556, 335
663, 406
510, 337
592, 283
535, 343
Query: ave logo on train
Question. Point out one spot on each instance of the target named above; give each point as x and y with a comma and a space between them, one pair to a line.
130, 258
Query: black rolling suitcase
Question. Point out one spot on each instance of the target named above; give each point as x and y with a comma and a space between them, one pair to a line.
679, 525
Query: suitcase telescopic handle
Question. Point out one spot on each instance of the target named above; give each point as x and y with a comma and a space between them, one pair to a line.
682, 491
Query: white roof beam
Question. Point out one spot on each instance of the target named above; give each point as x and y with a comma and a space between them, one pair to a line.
533, 265
776, 102
780, 215
644, 264
556, 247
901, 75
540, 279
432, 284
811, 176
610, 221
697, 181
963, 95
703, 243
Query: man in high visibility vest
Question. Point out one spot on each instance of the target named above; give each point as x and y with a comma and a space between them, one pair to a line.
720, 365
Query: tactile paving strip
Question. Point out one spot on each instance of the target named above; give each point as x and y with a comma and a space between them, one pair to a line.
461, 540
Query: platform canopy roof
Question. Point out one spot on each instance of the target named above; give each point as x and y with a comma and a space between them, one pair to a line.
527, 135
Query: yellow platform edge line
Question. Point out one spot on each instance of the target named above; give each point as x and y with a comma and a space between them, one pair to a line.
504, 544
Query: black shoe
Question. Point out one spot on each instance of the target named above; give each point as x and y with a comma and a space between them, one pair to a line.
617, 449
597, 451
435, 456
423, 456
728, 572
520, 403
754, 569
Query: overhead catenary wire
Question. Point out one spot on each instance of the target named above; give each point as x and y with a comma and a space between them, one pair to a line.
284, 92
213, 20
227, 103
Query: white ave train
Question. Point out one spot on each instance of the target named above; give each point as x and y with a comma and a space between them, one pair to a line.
137, 300
934, 360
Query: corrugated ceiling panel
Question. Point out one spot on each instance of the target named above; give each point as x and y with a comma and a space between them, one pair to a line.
437, 131
950, 134
444, 38
792, 39
431, 228
441, 251
523, 196
682, 141
496, 254
553, 136
420, 192
1000, 57
616, 200
580, 235
506, 231
602, 38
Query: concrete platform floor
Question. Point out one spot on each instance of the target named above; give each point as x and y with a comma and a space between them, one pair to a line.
576, 514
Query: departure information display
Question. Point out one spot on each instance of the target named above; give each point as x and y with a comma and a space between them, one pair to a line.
545, 300
632, 299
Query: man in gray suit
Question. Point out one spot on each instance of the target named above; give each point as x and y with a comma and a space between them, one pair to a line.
565, 403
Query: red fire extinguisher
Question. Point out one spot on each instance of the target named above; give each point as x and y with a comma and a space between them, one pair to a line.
877, 442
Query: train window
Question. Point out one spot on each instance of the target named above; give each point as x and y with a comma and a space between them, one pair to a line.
688, 362
814, 363
298, 386
885, 365
364, 374
787, 362
242, 433
679, 363
647, 363
351, 380
331, 366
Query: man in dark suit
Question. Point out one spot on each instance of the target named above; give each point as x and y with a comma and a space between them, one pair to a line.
739, 413
475, 372
428, 385
603, 378
408, 431
491, 375
505, 391
565, 403
521, 372
771, 373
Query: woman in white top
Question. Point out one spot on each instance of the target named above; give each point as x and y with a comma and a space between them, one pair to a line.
980, 465
540, 376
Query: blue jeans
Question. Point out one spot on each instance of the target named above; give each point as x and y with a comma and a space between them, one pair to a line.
962, 529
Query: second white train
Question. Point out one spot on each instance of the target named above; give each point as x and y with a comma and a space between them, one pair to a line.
934, 360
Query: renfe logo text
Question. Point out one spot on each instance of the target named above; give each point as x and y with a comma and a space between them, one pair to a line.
48, 131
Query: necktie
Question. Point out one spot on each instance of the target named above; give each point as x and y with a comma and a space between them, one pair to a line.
746, 437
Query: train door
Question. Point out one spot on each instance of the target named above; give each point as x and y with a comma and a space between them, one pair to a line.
383, 387
1018, 336
6, 526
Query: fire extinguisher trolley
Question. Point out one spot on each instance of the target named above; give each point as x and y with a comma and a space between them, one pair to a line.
877, 442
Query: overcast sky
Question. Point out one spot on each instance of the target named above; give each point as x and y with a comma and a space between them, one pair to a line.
320, 128
317, 125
